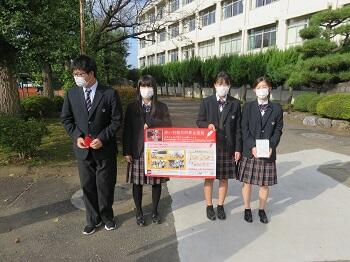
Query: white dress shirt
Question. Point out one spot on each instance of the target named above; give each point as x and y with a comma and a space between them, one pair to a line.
92, 93
218, 98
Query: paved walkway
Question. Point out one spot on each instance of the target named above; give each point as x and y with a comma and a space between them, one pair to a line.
308, 210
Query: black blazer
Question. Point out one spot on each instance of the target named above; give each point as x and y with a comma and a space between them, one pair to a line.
254, 126
231, 120
103, 121
133, 132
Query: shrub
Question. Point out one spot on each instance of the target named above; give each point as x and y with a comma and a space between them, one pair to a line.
20, 136
287, 107
302, 100
127, 95
335, 106
311, 106
37, 107
57, 103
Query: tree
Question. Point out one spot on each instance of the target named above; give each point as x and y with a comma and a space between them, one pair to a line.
325, 61
9, 98
124, 16
43, 32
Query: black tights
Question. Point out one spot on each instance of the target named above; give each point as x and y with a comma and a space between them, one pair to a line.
137, 195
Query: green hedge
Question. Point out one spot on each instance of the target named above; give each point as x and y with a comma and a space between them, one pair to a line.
127, 95
37, 107
58, 103
302, 100
41, 106
312, 105
335, 106
20, 136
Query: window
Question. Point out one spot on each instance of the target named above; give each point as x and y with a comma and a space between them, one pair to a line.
162, 36
152, 17
230, 44
161, 11
263, 37
259, 3
206, 49
232, 8
151, 60
142, 61
142, 43
185, 2
173, 55
294, 27
152, 37
208, 17
161, 58
174, 5
174, 30
189, 24
187, 52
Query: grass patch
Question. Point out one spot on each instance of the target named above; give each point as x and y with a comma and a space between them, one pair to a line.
56, 149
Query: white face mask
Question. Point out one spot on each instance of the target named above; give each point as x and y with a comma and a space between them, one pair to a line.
222, 90
146, 92
262, 93
80, 81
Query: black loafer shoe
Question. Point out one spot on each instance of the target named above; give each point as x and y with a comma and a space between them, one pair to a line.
248, 215
140, 221
89, 230
221, 212
156, 219
211, 213
263, 217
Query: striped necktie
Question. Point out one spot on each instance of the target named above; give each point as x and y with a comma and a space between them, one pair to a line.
88, 100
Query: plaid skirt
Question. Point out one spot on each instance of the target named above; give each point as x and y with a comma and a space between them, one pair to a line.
225, 165
257, 172
136, 173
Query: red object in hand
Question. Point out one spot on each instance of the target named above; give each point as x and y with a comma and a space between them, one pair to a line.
87, 141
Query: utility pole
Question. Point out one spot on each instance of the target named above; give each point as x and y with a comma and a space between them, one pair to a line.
82, 28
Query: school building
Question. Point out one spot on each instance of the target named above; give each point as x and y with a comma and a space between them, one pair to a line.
205, 28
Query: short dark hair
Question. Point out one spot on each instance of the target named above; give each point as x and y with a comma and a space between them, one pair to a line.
262, 79
223, 76
85, 63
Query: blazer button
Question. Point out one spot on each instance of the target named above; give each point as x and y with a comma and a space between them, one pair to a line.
89, 122
262, 131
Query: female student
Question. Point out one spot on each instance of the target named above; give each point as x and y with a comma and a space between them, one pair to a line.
145, 112
222, 113
261, 119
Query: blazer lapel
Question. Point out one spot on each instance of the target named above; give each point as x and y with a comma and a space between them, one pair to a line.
226, 109
97, 98
82, 100
257, 118
266, 116
214, 104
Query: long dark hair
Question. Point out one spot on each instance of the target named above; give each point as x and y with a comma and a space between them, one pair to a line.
147, 80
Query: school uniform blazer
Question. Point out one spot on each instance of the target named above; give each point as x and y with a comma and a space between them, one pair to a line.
255, 126
103, 120
230, 121
133, 132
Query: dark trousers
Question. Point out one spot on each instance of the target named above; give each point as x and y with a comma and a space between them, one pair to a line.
97, 180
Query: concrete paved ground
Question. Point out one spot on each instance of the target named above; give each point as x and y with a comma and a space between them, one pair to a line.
308, 210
